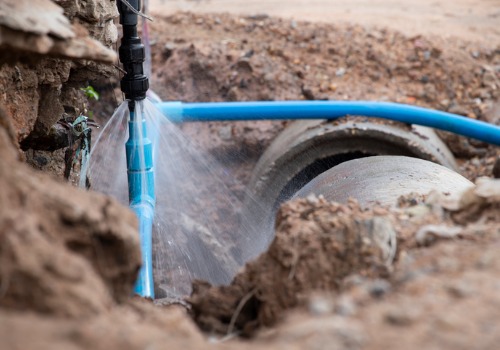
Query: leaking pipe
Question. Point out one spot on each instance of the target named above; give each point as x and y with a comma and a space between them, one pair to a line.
139, 153
139, 148
288, 110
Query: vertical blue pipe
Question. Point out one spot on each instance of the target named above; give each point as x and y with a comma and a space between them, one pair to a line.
139, 150
139, 147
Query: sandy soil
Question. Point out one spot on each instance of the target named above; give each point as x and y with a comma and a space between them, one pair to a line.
475, 20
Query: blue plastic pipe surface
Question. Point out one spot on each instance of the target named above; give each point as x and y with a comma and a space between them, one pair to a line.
139, 151
285, 110
144, 286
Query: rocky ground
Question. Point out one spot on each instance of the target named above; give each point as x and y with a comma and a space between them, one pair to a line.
335, 276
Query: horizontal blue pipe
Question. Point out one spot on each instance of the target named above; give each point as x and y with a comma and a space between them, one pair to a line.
285, 110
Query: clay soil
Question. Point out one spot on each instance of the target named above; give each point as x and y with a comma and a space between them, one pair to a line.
424, 275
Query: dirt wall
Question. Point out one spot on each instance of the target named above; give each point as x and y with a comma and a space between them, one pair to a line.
37, 90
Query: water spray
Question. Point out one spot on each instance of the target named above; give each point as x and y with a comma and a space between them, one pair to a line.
184, 231
139, 147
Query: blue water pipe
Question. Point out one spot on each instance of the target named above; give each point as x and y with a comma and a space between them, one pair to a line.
140, 172
139, 147
288, 110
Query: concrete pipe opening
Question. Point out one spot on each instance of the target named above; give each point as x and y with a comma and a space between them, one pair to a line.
306, 149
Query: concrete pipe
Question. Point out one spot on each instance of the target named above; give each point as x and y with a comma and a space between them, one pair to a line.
383, 180
308, 148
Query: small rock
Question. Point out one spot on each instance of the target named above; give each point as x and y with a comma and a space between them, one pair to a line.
345, 306
447, 322
340, 72
313, 199
249, 53
258, 17
456, 109
401, 316
353, 281
382, 232
243, 84
489, 79
320, 305
445, 103
418, 211
410, 276
226, 133
488, 189
429, 233
41, 161
485, 261
307, 92
168, 50
447, 264
460, 290
233, 94
379, 288
243, 65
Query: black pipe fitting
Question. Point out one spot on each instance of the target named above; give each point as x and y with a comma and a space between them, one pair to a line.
134, 83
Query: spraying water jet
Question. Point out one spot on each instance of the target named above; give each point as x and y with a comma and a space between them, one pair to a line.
200, 245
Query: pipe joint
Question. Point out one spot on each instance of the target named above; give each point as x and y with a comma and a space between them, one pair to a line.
134, 83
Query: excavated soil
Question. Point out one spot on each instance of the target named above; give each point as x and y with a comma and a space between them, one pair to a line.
424, 275
227, 58
355, 287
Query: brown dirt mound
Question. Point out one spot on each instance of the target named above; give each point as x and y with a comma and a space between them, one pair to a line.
62, 251
136, 325
318, 244
68, 262
440, 294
